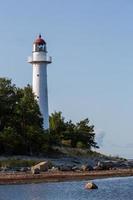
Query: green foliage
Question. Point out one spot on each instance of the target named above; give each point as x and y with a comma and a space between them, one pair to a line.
80, 145
80, 135
21, 125
57, 124
7, 101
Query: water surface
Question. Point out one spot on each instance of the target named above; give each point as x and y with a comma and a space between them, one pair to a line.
109, 189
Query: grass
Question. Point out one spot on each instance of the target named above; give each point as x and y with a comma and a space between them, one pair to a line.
17, 163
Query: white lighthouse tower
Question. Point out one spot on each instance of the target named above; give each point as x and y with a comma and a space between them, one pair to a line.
39, 61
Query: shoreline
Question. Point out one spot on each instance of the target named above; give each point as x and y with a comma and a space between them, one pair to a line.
25, 178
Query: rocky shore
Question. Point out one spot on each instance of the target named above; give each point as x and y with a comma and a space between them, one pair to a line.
66, 168
65, 163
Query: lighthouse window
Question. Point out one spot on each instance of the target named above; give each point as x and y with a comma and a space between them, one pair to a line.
37, 97
37, 74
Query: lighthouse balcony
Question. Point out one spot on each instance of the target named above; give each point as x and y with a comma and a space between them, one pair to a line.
36, 59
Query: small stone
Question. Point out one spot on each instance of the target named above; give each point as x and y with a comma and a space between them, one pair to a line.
91, 185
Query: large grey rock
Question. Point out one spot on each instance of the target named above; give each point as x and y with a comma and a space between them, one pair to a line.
106, 165
41, 167
76, 168
86, 167
65, 168
98, 168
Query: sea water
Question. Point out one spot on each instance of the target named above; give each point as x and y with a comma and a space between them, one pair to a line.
108, 189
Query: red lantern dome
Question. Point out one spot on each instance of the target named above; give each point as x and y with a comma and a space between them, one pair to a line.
39, 41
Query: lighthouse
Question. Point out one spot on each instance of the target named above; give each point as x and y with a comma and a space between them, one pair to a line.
39, 61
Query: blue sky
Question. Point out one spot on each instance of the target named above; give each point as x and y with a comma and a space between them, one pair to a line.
91, 43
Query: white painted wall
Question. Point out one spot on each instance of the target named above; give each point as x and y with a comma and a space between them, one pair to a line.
40, 89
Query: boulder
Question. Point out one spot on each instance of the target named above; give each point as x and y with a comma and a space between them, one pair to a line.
65, 168
107, 165
98, 168
91, 185
86, 167
41, 167
24, 169
35, 171
76, 168
54, 169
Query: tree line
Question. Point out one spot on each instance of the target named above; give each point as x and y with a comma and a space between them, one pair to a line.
21, 125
